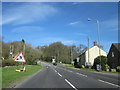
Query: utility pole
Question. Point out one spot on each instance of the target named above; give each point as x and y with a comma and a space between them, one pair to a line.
11, 50
98, 29
23, 45
23, 51
99, 42
71, 54
88, 51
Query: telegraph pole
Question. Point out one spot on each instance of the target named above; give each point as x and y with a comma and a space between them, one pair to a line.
23, 45
88, 51
71, 53
23, 51
11, 50
98, 29
89, 64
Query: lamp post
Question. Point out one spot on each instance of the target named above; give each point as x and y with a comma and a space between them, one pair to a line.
98, 28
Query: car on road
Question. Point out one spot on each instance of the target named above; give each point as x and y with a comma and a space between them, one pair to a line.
55, 64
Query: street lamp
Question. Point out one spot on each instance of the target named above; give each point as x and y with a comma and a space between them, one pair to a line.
98, 37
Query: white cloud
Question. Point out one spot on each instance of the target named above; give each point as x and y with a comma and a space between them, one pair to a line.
27, 29
8, 20
77, 23
73, 23
69, 42
25, 13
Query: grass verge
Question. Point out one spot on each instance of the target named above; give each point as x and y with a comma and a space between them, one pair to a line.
0, 78
68, 65
87, 69
10, 76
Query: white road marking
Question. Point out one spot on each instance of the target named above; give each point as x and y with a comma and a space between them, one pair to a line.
81, 74
69, 71
108, 83
55, 71
71, 84
59, 74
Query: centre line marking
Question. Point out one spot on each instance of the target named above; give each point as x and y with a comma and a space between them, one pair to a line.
55, 71
59, 74
71, 84
69, 71
108, 83
81, 74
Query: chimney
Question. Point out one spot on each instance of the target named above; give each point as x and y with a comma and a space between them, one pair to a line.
95, 43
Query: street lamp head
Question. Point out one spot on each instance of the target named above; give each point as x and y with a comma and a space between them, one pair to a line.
89, 19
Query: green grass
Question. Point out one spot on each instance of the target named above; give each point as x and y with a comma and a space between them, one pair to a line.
0, 78
68, 65
109, 72
10, 76
88, 69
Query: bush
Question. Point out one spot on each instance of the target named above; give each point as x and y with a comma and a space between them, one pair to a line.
103, 62
8, 62
31, 62
118, 68
107, 67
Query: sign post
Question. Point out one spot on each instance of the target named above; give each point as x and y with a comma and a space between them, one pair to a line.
20, 58
98, 67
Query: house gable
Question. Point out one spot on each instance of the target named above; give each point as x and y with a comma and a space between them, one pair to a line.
114, 55
93, 53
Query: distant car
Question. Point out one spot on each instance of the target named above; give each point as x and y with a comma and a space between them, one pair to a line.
55, 64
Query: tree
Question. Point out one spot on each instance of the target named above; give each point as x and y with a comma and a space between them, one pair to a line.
103, 62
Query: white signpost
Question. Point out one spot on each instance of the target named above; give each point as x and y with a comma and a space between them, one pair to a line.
98, 67
53, 60
87, 63
78, 59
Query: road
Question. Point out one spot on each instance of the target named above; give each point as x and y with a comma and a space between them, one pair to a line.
62, 77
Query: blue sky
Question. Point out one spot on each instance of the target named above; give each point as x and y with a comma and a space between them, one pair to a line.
42, 23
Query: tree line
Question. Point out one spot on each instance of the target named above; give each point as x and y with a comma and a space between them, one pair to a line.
57, 50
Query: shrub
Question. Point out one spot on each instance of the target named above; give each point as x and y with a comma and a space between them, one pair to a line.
103, 62
8, 62
118, 68
107, 66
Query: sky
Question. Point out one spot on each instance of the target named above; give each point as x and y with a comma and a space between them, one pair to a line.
42, 23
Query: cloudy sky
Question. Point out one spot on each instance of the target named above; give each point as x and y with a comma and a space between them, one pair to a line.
42, 23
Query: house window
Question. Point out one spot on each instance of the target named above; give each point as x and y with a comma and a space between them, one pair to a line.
112, 54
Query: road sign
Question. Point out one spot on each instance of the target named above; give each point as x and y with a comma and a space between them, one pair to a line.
53, 60
20, 58
98, 67
78, 59
87, 63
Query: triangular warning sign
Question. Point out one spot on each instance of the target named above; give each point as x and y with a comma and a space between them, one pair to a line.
20, 58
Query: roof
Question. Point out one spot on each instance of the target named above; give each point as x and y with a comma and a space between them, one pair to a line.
117, 45
83, 51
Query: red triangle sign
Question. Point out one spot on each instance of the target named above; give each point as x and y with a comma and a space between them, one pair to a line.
20, 58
